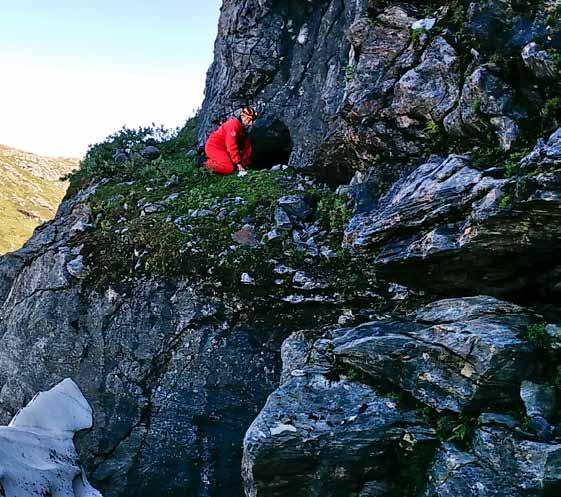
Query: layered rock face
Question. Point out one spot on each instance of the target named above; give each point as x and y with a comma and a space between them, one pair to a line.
342, 83
447, 215
172, 381
443, 387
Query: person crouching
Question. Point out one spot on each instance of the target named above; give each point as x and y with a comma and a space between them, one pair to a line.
228, 149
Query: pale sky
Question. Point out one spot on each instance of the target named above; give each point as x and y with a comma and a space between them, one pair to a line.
74, 71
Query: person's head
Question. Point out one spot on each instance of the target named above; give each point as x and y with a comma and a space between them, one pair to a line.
248, 116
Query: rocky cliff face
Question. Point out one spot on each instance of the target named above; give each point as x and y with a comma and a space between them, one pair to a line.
346, 83
256, 336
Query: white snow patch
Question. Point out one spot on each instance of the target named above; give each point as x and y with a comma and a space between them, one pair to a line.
37, 454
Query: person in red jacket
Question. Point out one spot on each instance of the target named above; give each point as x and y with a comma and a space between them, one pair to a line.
228, 149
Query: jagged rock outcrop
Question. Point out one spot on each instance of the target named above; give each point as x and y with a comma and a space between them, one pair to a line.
459, 353
177, 343
38, 457
173, 381
324, 436
328, 431
342, 81
447, 215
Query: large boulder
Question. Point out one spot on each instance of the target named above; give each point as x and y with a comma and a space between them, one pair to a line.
454, 355
332, 437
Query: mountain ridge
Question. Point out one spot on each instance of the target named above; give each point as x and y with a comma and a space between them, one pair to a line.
30, 192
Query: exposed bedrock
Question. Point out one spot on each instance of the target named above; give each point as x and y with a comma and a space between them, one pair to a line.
449, 227
174, 378
342, 422
454, 355
324, 436
355, 80
499, 463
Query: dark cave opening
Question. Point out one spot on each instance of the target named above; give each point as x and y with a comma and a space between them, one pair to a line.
272, 144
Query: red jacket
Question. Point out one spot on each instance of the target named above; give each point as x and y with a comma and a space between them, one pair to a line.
232, 138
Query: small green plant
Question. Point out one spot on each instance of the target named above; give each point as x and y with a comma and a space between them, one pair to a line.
552, 108
537, 335
416, 34
355, 374
349, 72
476, 105
432, 128
456, 428
505, 202
460, 432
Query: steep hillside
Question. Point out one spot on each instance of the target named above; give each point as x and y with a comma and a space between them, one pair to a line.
275, 335
30, 192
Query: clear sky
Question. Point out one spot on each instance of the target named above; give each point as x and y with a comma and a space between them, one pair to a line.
74, 71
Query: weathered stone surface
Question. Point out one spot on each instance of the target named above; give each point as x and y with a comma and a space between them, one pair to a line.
317, 437
295, 206
343, 81
499, 465
538, 399
432, 88
447, 216
487, 101
456, 354
539, 61
161, 363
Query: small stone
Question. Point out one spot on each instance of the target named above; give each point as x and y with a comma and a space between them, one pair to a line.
539, 400
346, 318
303, 282
424, 24
327, 252
281, 219
150, 152
272, 235
76, 267
282, 269
246, 279
153, 208
174, 180
246, 236
295, 206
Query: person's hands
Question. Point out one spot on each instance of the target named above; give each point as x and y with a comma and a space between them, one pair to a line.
241, 170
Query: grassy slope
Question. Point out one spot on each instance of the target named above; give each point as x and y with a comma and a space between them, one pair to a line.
29, 193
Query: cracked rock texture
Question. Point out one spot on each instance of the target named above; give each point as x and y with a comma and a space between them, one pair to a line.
341, 82
321, 436
446, 215
475, 356
173, 380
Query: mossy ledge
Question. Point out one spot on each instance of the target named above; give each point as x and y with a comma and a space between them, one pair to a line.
170, 217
